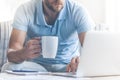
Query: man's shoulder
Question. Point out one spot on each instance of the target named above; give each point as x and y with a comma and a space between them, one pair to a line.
74, 5
29, 7
31, 3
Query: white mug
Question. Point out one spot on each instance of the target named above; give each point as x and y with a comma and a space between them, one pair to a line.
49, 46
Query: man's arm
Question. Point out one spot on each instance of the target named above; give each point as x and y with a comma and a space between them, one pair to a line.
81, 37
16, 52
72, 67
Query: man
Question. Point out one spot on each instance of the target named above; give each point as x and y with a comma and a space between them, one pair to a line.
62, 18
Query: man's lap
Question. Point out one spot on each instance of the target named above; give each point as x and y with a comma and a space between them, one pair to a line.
27, 65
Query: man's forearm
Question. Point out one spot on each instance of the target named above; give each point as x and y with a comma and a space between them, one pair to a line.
16, 56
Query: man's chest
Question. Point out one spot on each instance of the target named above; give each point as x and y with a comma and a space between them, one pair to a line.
64, 29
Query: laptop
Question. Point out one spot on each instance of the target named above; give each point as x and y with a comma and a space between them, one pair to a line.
100, 55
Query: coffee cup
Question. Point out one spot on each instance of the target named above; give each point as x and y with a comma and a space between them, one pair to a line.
49, 46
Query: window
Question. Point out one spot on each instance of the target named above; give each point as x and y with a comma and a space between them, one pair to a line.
8, 8
113, 14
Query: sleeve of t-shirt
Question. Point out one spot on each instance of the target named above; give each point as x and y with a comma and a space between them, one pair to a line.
20, 20
83, 20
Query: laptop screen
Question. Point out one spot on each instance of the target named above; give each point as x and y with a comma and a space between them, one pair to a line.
100, 54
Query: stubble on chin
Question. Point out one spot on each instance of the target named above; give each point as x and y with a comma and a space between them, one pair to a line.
54, 7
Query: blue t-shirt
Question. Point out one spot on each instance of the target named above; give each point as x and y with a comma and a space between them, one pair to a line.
72, 20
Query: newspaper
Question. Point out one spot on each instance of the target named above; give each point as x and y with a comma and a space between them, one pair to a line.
21, 72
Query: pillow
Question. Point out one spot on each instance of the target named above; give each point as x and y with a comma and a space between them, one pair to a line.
5, 31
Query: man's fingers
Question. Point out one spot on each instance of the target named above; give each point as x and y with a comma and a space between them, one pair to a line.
36, 38
33, 56
73, 60
34, 42
68, 68
78, 59
35, 47
74, 63
77, 62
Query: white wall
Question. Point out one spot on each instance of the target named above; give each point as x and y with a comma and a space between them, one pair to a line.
8, 7
96, 9
113, 14
5, 11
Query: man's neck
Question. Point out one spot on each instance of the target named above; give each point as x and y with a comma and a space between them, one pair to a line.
50, 16
48, 12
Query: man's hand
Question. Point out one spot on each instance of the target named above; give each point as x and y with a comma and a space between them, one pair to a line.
73, 65
32, 48
17, 53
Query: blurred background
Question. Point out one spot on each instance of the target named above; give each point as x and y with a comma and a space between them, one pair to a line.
105, 13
